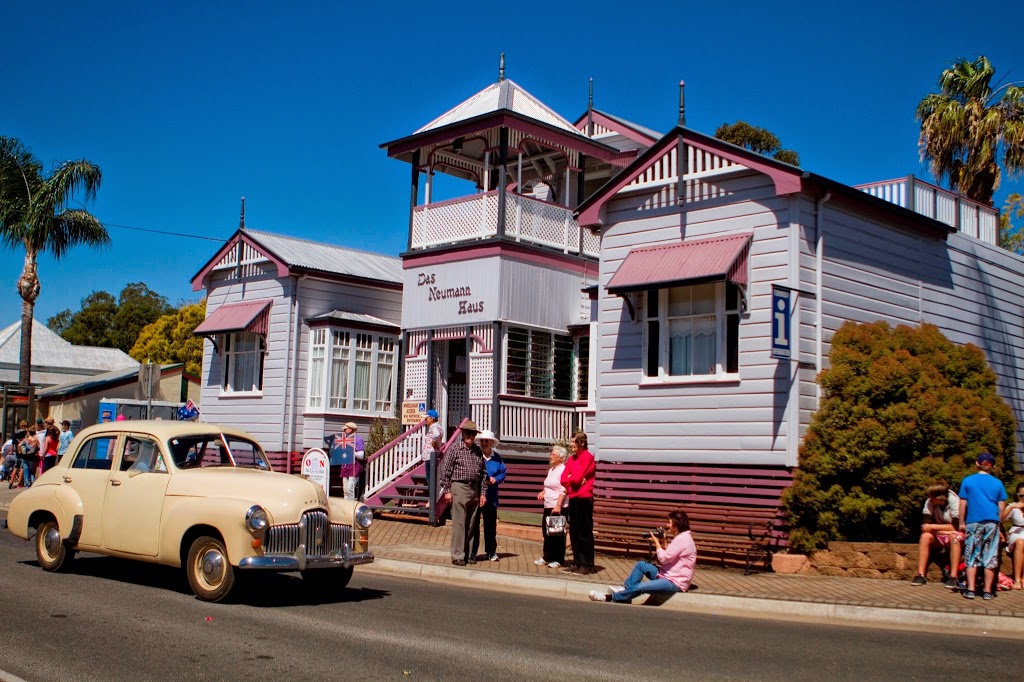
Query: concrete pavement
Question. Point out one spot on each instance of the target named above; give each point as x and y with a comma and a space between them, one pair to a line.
411, 548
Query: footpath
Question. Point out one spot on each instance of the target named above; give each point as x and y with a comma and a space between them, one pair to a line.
412, 548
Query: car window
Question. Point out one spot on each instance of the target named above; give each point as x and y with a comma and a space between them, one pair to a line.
141, 454
210, 450
95, 453
247, 454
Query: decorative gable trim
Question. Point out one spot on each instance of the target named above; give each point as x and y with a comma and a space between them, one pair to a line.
242, 253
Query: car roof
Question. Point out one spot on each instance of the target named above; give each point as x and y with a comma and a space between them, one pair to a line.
162, 429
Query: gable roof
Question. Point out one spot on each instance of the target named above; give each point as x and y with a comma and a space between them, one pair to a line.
104, 380
505, 94
289, 253
49, 350
633, 135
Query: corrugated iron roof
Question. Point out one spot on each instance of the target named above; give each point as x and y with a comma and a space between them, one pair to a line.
236, 317
51, 351
504, 94
644, 130
668, 264
96, 382
339, 260
356, 318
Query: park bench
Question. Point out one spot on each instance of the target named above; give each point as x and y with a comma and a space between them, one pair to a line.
723, 532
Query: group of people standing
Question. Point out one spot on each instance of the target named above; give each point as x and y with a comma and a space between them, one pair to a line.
28, 452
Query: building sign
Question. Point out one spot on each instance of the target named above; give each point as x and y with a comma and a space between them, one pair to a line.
451, 293
413, 412
316, 468
781, 341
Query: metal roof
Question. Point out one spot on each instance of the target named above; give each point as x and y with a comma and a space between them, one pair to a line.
50, 351
338, 260
504, 94
355, 318
236, 317
668, 264
99, 381
644, 130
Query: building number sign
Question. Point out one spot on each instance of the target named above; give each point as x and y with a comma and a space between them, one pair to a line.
780, 322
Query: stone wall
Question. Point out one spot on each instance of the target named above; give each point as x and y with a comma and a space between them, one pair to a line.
889, 561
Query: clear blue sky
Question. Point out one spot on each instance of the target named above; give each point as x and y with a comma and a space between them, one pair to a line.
187, 106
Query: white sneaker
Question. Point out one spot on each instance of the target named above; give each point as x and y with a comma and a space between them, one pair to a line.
598, 596
494, 557
554, 564
539, 562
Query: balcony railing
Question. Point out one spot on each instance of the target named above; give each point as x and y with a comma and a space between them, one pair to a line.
526, 220
526, 420
967, 216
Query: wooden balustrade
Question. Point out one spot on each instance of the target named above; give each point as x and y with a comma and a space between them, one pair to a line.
394, 459
528, 421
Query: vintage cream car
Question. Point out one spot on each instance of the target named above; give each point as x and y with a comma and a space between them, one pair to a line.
194, 495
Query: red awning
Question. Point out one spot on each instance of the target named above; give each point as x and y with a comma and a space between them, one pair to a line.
246, 316
692, 261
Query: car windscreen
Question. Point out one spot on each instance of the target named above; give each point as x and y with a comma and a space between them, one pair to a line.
216, 450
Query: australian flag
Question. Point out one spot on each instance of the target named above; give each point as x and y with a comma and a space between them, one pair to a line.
188, 411
342, 447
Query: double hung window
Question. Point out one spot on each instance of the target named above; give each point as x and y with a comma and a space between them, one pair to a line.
351, 371
242, 354
692, 331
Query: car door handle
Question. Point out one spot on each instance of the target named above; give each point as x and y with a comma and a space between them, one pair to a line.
67, 479
115, 482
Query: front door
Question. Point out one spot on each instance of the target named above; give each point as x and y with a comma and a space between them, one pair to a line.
135, 500
458, 388
89, 476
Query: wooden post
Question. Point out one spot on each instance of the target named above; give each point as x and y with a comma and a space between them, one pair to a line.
414, 193
502, 173
496, 378
430, 370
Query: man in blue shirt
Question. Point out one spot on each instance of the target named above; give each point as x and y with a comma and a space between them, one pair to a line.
65, 438
982, 498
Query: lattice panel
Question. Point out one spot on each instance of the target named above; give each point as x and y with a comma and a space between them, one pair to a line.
458, 405
481, 376
453, 221
416, 378
484, 332
591, 243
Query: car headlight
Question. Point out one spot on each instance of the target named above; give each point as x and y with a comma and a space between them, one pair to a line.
256, 518
364, 517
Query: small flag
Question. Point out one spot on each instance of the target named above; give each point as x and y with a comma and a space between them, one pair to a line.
341, 447
188, 411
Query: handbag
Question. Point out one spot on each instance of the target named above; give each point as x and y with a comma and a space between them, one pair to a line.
554, 524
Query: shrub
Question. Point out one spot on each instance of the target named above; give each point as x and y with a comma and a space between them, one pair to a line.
900, 408
382, 432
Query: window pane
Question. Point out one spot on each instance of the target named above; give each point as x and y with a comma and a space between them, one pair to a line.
582, 367
652, 303
316, 369
518, 354
563, 368
385, 364
705, 345
732, 344
541, 379
361, 382
703, 299
338, 399
653, 349
679, 345
679, 301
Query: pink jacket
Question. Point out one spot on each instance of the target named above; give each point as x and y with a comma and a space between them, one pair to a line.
578, 475
678, 560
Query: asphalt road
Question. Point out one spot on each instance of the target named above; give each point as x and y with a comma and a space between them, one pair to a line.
118, 620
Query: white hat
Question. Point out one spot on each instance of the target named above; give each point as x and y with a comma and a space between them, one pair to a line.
487, 434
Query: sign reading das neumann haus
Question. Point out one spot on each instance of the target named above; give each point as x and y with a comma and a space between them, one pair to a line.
451, 293
780, 322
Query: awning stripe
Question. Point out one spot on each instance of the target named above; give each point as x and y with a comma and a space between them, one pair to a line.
664, 265
248, 316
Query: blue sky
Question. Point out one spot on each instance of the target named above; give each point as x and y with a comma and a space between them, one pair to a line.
187, 106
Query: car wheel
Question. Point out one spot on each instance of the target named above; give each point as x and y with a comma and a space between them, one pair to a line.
327, 581
52, 553
209, 572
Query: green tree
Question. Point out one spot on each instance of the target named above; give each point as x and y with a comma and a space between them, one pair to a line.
1011, 236
60, 322
968, 125
35, 216
93, 325
902, 407
757, 140
137, 307
170, 339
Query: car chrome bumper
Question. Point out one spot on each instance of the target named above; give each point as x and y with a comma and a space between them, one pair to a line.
299, 561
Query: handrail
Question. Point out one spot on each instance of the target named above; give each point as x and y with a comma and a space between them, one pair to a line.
388, 446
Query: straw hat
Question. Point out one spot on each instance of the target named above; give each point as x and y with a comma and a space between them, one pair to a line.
487, 434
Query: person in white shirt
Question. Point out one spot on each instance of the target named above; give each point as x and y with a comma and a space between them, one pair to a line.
432, 441
939, 531
1015, 538
555, 501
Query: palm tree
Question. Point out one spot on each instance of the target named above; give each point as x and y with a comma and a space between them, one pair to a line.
34, 214
967, 124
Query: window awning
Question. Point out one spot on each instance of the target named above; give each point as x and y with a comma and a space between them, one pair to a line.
688, 262
246, 316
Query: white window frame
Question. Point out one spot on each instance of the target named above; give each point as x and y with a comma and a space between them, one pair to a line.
551, 368
228, 357
341, 345
721, 334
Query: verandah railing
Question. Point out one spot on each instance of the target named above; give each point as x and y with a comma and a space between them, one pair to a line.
394, 459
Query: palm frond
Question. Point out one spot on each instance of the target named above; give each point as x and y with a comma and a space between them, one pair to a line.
69, 179
74, 227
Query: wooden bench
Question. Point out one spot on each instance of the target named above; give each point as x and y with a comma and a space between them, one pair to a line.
722, 531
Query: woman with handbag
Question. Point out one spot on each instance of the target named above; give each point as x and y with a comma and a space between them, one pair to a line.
554, 499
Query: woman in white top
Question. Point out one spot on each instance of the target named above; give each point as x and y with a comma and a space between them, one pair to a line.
554, 499
1015, 538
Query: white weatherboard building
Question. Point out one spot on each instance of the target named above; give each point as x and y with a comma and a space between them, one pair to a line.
597, 274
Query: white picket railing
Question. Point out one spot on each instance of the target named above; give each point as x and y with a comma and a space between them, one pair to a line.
525, 421
394, 460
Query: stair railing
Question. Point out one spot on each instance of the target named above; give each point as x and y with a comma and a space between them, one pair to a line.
394, 459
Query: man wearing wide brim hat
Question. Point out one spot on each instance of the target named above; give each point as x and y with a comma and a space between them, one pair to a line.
464, 484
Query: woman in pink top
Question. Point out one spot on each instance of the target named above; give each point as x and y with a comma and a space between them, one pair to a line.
677, 559
578, 479
553, 497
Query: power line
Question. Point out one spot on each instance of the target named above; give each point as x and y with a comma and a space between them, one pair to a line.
173, 234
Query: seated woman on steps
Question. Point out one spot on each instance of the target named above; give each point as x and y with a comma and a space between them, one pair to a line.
678, 560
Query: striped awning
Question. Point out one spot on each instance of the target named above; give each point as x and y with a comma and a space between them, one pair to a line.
687, 262
245, 316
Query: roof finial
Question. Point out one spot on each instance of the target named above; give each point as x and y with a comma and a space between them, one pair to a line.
590, 109
501, 68
682, 103
241, 217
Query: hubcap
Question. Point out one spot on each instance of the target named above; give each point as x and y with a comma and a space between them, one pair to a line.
52, 541
212, 564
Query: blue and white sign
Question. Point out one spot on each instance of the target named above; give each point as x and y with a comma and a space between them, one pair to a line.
781, 342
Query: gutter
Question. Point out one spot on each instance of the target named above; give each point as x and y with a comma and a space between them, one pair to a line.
294, 370
819, 288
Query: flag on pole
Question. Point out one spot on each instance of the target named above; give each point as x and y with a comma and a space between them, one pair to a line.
188, 411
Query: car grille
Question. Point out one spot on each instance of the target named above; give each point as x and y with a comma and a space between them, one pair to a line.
314, 530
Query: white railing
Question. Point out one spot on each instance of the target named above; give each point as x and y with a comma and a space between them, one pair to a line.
394, 460
967, 216
526, 220
525, 421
